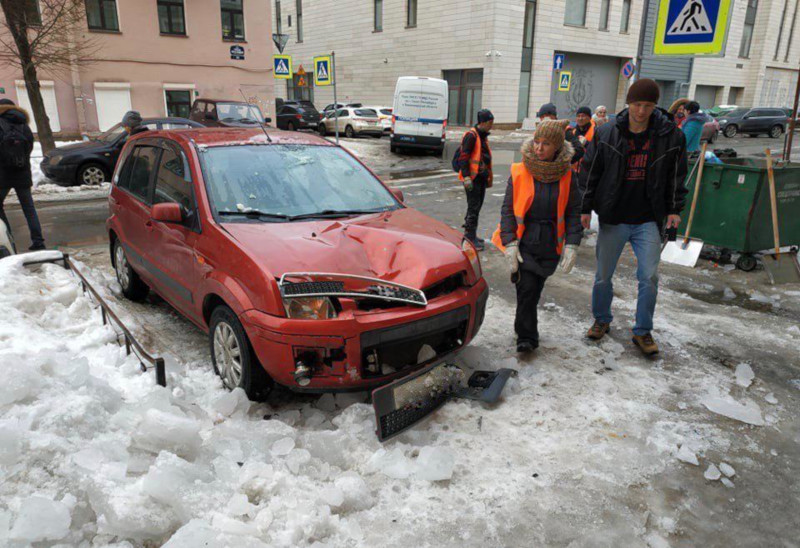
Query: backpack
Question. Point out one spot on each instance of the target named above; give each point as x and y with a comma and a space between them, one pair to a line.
13, 146
456, 164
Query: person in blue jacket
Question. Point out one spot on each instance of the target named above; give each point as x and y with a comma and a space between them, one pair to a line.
693, 126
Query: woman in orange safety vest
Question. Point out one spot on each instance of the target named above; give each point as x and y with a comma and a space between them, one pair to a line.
540, 225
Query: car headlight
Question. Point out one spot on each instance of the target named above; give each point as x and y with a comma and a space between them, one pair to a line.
723, 121
472, 254
310, 308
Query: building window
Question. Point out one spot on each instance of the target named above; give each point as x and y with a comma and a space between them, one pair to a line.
749, 23
232, 20
411, 13
179, 102
626, 16
299, 6
278, 15
171, 17
33, 13
575, 13
604, 9
378, 4
791, 33
523, 99
102, 15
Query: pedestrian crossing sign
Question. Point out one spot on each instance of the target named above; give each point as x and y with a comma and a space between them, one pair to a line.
282, 67
322, 71
692, 27
564, 80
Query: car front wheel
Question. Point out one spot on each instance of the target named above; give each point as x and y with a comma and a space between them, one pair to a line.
132, 285
322, 129
92, 174
233, 357
775, 131
730, 131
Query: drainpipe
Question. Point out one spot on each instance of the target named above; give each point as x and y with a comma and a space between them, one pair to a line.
77, 88
640, 52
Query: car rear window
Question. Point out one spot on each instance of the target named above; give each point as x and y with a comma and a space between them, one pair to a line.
367, 112
386, 111
290, 180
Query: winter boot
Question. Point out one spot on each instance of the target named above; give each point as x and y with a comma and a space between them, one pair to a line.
646, 344
598, 330
526, 347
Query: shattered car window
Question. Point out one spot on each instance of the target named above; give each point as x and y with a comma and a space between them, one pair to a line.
291, 180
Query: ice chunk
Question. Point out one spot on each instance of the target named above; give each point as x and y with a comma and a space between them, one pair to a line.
391, 463
232, 402
728, 294
165, 431
687, 455
39, 519
749, 412
744, 375
10, 443
238, 505
727, 469
712, 473
355, 492
332, 496
426, 352
296, 459
233, 526
201, 533
264, 520
327, 402
282, 447
435, 464
728, 483
770, 398
794, 330
24, 383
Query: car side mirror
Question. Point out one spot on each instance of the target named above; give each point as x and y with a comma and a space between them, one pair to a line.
167, 213
399, 195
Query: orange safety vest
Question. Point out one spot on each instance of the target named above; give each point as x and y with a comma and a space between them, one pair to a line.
475, 159
524, 189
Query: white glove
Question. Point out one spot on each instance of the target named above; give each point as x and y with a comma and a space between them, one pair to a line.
568, 257
513, 256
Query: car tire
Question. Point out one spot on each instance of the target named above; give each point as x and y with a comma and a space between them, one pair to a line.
233, 357
92, 174
393, 148
133, 288
290, 126
322, 130
377, 135
730, 131
348, 132
776, 131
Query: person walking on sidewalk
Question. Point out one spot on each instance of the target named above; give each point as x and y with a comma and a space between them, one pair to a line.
475, 173
584, 126
540, 224
636, 169
693, 126
548, 111
16, 144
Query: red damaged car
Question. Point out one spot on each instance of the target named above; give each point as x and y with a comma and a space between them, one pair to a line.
300, 264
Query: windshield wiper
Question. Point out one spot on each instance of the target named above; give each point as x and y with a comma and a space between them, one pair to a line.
255, 214
335, 213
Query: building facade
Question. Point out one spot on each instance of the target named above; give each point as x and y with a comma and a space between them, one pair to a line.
497, 55
157, 56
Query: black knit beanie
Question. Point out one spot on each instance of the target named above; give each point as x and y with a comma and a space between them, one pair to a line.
584, 110
643, 90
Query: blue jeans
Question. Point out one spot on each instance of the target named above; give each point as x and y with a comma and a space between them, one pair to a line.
28, 209
645, 240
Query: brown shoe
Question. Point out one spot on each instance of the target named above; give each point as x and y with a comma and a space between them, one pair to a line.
598, 330
646, 344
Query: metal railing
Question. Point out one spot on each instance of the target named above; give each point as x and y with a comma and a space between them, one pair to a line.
132, 346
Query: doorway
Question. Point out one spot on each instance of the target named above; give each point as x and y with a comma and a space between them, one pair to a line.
465, 88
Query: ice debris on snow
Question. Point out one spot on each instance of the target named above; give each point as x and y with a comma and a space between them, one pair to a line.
748, 412
728, 294
282, 447
687, 455
770, 398
39, 519
744, 375
712, 473
794, 330
727, 483
432, 463
160, 430
727, 469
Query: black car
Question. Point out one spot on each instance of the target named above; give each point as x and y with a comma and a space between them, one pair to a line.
754, 122
294, 115
92, 162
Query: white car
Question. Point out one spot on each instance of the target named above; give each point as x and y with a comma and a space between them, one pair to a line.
352, 122
385, 115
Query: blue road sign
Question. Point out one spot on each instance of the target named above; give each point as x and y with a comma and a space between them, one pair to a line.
558, 61
627, 69
282, 67
691, 27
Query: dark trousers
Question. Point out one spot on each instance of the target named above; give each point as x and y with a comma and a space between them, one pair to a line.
28, 209
474, 204
529, 290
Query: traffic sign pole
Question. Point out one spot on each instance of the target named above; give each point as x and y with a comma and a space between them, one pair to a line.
335, 102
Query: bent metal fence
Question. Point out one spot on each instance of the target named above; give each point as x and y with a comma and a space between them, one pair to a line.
132, 346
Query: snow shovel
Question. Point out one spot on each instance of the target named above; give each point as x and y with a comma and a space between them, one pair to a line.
782, 268
686, 251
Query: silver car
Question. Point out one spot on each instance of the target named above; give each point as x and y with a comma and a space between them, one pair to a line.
352, 122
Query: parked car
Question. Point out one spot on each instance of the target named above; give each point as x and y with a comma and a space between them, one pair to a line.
710, 130
419, 114
331, 107
385, 115
352, 122
293, 116
721, 110
754, 122
92, 162
302, 267
224, 113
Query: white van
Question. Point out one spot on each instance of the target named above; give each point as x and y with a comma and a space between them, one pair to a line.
419, 117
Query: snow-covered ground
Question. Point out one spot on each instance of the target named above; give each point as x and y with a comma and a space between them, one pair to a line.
590, 446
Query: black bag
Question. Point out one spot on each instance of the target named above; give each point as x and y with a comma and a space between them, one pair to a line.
456, 163
13, 146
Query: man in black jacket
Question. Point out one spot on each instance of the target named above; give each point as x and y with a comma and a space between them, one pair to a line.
16, 139
475, 163
635, 171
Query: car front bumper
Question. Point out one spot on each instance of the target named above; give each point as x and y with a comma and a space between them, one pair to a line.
362, 350
61, 173
416, 141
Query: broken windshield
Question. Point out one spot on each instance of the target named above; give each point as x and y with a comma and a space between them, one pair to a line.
290, 180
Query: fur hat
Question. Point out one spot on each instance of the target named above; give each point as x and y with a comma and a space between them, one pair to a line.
643, 90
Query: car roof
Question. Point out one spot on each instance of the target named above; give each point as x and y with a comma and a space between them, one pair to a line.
207, 100
172, 120
237, 136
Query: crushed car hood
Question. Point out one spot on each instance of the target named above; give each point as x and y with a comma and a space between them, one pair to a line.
402, 246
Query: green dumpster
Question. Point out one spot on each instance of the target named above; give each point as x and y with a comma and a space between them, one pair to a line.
733, 208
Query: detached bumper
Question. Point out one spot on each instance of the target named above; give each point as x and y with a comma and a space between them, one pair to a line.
362, 350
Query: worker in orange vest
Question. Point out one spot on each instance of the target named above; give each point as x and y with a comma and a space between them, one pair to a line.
540, 223
585, 126
475, 161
